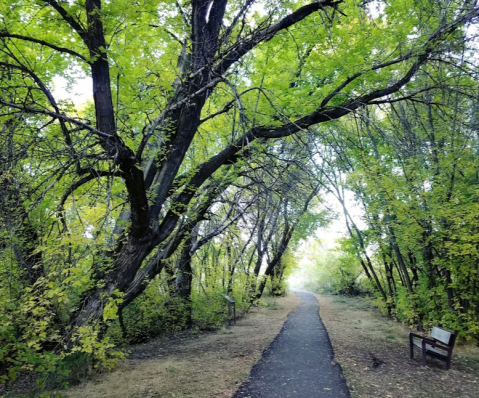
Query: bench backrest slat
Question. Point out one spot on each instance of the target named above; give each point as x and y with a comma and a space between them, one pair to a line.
441, 335
228, 298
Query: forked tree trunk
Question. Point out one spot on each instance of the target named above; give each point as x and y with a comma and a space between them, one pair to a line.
122, 272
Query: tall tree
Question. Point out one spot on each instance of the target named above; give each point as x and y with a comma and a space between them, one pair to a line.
181, 92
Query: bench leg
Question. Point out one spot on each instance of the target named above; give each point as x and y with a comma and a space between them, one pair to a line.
448, 363
411, 347
424, 358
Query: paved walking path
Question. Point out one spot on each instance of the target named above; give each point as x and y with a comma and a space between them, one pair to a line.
299, 362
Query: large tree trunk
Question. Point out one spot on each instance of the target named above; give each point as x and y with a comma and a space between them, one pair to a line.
122, 272
183, 280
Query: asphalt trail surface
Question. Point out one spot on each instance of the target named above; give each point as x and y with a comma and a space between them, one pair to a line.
299, 362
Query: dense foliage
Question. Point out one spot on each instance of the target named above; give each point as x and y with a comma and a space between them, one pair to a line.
199, 164
413, 167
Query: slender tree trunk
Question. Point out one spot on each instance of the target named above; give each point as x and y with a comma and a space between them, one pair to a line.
369, 269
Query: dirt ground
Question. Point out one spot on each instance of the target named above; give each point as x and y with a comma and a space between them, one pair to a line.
201, 366
374, 354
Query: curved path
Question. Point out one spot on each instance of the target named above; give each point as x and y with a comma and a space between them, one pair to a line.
299, 362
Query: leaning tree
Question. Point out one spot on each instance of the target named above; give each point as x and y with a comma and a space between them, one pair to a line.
183, 94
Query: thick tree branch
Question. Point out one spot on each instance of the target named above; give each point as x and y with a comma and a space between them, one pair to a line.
156, 263
241, 48
55, 115
232, 152
69, 19
44, 43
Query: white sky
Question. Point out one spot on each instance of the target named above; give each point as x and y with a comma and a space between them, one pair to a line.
78, 93
337, 228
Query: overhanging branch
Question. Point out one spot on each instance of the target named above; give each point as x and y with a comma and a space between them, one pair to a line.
44, 43
56, 115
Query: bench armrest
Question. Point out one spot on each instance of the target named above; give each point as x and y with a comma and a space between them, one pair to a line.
435, 344
421, 337
412, 334
427, 340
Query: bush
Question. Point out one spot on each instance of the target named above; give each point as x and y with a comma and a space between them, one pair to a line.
210, 311
28, 333
150, 315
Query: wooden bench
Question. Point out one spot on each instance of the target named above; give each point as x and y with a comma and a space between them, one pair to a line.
438, 345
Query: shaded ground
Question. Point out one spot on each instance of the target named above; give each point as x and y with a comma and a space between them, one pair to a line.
299, 362
374, 354
201, 366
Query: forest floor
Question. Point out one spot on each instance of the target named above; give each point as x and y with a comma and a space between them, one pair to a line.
373, 351
203, 365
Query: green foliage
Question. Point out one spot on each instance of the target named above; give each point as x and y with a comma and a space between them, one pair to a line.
414, 170
148, 316
278, 286
90, 342
27, 326
210, 311
156, 313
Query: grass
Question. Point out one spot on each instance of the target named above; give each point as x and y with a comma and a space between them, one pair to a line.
373, 351
271, 303
209, 364
471, 362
